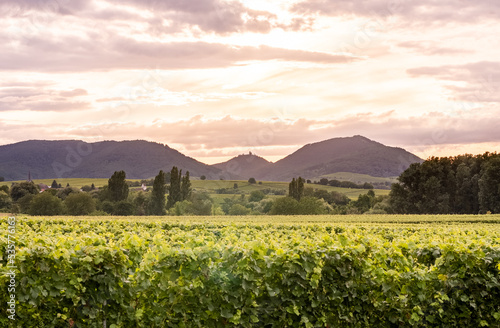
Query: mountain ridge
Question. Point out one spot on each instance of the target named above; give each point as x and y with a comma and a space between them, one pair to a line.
143, 159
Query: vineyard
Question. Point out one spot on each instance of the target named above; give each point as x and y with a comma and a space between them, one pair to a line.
261, 271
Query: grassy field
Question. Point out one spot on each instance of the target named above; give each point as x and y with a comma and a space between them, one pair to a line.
357, 178
211, 185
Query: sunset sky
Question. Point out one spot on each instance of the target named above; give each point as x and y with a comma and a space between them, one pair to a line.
214, 79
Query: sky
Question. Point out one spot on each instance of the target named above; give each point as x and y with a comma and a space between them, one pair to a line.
215, 78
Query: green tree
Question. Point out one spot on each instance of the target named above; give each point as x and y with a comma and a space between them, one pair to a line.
310, 206
123, 208
199, 204
157, 204
238, 209
285, 206
185, 187
46, 204
5, 200
5, 188
117, 187
80, 204
2, 179
489, 186
235, 186
203, 177
63, 193
174, 190
54, 185
296, 188
256, 196
252, 181
19, 190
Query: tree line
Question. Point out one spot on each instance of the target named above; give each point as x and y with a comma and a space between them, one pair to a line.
464, 184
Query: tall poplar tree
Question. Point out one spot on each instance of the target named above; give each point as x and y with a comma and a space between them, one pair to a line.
158, 195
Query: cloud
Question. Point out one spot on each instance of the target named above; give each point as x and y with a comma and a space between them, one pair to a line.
74, 93
481, 79
436, 12
166, 16
40, 99
78, 54
431, 48
229, 132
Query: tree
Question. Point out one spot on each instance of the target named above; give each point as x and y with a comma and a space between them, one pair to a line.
123, 208
5, 188
235, 186
54, 185
199, 204
67, 184
19, 190
80, 204
285, 206
174, 190
157, 204
323, 181
203, 177
310, 206
489, 186
117, 187
185, 187
238, 209
63, 193
92, 187
24, 203
252, 181
256, 196
296, 188
2, 179
46, 204
5, 200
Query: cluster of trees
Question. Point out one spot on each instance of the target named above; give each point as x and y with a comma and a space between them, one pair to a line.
462, 184
344, 184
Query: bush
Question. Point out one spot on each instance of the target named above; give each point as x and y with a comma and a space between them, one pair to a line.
46, 204
256, 196
5, 201
19, 190
24, 203
80, 204
285, 206
238, 209
252, 181
203, 177
123, 208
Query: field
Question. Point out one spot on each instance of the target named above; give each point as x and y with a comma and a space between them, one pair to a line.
357, 178
211, 185
256, 271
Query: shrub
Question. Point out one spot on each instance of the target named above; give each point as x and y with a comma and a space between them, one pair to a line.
80, 204
46, 204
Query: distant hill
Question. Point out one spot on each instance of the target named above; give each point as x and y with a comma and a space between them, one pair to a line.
143, 159
352, 154
78, 159
244, 166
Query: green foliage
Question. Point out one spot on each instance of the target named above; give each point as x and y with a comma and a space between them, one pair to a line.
80, 204
123, 208
117, 187
157, 203
186, 187
462, 184
174, 190
213, 274
199, 204
46, 204
296, 188
5, 201
19, 190
252, 181
203, 177
5, 189
24, 203
63, 193
256, 196
238, 209
285, 206
54, 185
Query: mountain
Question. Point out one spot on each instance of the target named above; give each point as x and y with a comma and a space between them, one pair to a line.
142, 159
77, 159
244, 166
352, 154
